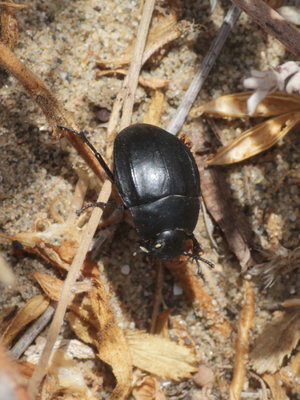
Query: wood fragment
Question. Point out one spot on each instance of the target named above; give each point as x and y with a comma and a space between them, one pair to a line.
273, 23
242, 341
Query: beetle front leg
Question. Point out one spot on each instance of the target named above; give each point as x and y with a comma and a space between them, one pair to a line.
195, 254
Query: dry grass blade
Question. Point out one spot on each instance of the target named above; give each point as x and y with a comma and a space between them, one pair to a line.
256, 139
277, 341
111, 343
242, 342
160, 356
235, 105
28, 313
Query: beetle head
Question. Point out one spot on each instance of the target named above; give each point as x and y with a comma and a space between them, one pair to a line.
167, 244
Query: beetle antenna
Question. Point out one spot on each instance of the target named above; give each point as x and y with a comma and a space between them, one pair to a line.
98, 156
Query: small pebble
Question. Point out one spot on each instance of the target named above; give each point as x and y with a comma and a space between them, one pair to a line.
125, 269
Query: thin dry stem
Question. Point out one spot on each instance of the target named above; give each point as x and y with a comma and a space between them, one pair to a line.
77, 201
136, 63
51, 107
31, 333
242, 342
66, 293
159, 278
273, 23
191, 94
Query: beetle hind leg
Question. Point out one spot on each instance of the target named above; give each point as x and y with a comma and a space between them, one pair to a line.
100, 159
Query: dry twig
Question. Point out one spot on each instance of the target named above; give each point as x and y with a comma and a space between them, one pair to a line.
272, 23
136, 63
242, 342
190, 96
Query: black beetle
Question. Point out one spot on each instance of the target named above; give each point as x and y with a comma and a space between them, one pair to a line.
158, 181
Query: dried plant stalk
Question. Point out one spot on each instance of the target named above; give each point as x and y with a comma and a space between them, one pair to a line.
273, 23
242, 342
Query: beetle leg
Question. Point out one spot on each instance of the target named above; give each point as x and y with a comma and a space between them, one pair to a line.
195, 254
99, 204
100, 159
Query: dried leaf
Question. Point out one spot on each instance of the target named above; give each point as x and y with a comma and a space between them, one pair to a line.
290, 374
256, 139
148, 389
278, 392
111, 344
56, 244
50, 285
160, 356
235, 105
277, 341
279, 262
29, 312
7, 276
163, 32
155, 109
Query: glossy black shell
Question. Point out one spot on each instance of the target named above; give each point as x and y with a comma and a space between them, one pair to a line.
158, 180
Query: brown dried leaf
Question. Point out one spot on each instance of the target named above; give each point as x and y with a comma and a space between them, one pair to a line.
235, 105
148, 389
256, 139
83, 330
278, 262
50, 285
290, 374
29, 312
155, 109
277, 390
277, 341
163, 32
160, 356
56, 244
111, 343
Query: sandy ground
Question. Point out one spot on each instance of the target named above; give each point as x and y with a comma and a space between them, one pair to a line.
60, 41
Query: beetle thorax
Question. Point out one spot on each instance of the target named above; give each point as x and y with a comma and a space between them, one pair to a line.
167, 244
